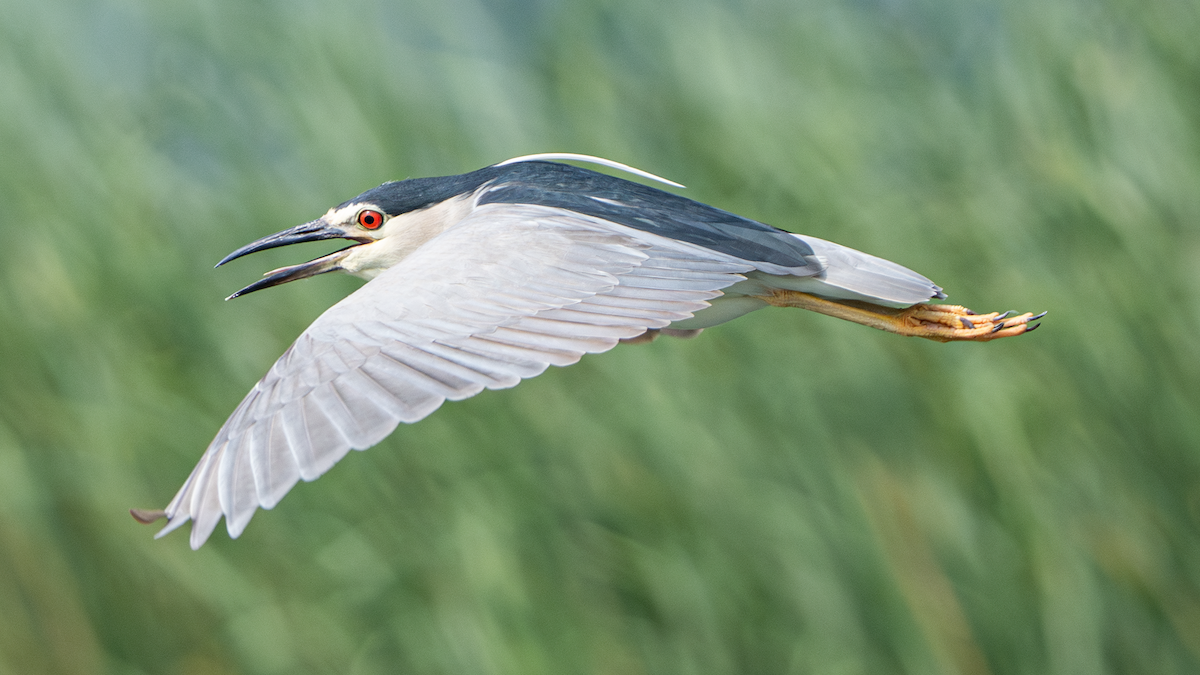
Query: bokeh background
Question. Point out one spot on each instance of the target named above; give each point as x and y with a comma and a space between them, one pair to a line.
785, 494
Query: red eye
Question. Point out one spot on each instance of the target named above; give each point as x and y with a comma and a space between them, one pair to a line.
370, 219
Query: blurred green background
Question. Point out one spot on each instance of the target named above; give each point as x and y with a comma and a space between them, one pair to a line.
785, 494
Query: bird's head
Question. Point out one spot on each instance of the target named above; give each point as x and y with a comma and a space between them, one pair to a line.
385, 224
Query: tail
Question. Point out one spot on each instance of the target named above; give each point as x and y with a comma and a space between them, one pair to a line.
854, 275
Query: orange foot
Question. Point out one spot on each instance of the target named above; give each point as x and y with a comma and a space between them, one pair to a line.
955, 322
943, 323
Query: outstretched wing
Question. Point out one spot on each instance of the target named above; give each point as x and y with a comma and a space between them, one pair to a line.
496, 298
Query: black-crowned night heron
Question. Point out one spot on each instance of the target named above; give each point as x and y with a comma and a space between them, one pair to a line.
482, 279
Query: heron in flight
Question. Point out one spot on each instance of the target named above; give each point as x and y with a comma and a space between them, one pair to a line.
479, 280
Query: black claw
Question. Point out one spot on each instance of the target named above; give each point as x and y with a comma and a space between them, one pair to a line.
1003, 316
966, 322
1030, 329
1035, 318
971, 312
998, 327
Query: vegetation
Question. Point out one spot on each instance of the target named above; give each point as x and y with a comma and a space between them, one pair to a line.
784, 494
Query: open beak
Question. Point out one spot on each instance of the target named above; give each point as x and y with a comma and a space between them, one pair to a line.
315, 230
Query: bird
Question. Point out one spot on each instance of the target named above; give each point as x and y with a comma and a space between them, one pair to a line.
479, 280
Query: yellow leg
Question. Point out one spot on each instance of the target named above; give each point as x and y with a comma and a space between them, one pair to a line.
147, 516
943, 323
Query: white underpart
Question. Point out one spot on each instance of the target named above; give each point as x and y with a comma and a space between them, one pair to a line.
573, 157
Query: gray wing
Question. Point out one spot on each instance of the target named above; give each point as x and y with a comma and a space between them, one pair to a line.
496, 298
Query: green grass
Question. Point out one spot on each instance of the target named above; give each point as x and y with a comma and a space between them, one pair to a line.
784, 494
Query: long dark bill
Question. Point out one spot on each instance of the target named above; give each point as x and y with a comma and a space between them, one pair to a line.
313, 230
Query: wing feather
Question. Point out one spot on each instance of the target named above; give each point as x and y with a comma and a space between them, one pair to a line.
235, 483
559, 326
645, 293
588, 314
326, 437
205, 503
446, 378
645, 304
525, 361
583, 345
274, 462
496, 373
295, 428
